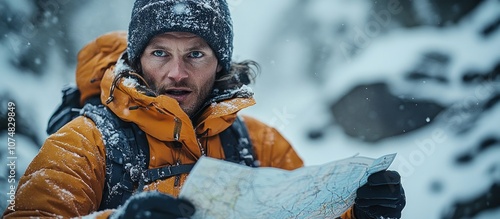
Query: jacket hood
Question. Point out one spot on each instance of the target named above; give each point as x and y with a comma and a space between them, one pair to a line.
94, 59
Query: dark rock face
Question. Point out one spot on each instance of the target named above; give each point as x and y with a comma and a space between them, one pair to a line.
371, 113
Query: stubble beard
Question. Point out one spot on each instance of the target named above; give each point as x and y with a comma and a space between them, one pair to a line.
191, 109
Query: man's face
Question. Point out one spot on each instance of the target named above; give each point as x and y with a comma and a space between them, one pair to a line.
182, 66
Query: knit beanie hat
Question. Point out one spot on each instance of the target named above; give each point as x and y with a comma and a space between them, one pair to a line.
209, 19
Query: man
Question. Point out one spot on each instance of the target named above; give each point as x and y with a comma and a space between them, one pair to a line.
173, 78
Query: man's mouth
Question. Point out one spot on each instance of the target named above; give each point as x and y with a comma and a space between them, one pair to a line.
178, 94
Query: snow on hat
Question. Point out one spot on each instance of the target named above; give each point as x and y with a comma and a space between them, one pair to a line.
209, 19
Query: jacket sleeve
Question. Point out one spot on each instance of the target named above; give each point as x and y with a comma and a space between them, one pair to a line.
273, 150
66, 178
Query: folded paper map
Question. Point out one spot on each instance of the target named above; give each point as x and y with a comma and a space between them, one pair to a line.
220, 189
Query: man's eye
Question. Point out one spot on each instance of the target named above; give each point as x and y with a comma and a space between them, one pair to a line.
159, 53
196, 54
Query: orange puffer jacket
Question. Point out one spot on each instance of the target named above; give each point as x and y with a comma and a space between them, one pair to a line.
67, 177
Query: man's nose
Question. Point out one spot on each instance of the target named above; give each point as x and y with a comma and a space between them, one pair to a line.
177, 71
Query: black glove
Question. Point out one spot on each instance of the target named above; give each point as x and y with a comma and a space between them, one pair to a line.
382, 196
154, 205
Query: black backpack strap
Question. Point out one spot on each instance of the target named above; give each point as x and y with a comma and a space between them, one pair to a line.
152, 175
237, 145
66, 111
127, 154
69, 108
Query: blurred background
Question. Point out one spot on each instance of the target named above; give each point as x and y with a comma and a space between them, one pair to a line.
339, 78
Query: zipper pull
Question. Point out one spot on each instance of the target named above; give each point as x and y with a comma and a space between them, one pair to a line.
177, 180
202, 150
177, 128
